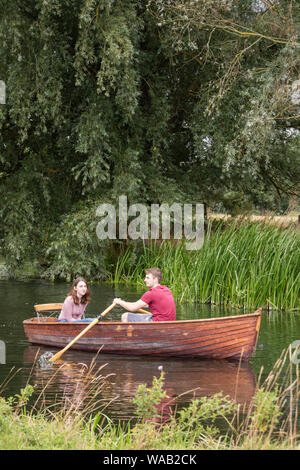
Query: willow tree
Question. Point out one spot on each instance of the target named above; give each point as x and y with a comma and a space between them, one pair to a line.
161, 101
246, 92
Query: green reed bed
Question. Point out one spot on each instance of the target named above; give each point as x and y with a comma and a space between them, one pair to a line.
243, 264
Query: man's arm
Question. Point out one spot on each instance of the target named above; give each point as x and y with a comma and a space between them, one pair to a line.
131, 306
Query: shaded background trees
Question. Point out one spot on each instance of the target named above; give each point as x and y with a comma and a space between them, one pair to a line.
162, 101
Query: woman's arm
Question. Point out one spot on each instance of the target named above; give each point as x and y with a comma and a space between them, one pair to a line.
67, 309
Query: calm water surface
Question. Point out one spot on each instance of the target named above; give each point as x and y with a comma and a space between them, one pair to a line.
115, 379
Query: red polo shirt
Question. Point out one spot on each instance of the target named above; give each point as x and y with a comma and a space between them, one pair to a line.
161, 303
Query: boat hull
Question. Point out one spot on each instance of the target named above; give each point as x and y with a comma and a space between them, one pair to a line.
231, 337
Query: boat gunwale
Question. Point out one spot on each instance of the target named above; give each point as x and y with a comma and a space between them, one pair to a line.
39, 321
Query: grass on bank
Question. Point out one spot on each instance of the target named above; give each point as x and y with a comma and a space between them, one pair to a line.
241, 263
268, 422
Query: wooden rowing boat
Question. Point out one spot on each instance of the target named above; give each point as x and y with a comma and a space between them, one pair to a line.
232, 337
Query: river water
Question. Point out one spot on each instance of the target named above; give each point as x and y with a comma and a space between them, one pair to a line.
110, 381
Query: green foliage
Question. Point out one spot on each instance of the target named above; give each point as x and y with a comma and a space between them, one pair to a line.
11, 406
242, 264
266, 410
147, 398
202, 418
74, 249
242, 59
24, 395
214, 422
160, 101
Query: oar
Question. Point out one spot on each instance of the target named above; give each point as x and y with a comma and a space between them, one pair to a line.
144, 311
94, 322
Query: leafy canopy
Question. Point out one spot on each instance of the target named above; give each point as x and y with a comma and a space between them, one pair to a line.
161, 101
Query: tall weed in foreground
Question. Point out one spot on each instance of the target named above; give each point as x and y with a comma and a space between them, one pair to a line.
272, 418
242, 264
27, 421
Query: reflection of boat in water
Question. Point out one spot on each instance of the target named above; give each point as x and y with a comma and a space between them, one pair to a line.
213, 338
184, 378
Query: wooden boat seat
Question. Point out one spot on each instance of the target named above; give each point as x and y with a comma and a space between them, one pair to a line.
54, 308
47, 307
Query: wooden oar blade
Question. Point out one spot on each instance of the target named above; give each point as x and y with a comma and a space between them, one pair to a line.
56, 356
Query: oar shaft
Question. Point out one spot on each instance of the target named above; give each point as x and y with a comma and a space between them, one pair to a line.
144, 311
107, 310
60, 353
80, 335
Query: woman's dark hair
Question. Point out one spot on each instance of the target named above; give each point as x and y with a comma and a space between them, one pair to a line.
85, 298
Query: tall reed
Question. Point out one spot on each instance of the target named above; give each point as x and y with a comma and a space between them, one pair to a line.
242, 264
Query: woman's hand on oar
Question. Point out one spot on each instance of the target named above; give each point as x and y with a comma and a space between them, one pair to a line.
94, 322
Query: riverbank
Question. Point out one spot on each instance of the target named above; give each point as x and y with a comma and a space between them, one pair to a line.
284, 221
242, 264
28, 270
268, 422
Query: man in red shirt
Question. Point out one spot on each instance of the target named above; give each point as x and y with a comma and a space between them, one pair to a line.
158, 299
